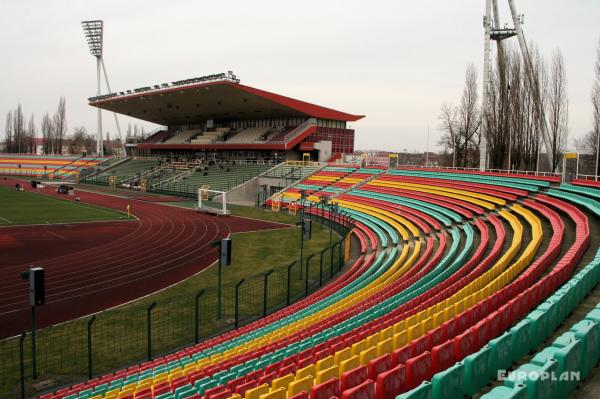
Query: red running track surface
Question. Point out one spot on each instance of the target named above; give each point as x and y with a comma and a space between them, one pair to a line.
98, 265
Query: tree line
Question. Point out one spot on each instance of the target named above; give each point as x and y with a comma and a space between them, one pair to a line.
590, 141
22, 134
514, 121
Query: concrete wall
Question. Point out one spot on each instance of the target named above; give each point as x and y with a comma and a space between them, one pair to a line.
325, 151
246, 194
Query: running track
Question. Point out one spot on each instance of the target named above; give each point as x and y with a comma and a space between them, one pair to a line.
95, 266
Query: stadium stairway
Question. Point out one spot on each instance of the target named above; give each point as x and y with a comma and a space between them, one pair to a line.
459, 275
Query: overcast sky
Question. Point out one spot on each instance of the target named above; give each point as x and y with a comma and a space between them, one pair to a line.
395, 61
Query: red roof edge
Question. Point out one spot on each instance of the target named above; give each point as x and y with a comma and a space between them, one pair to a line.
313, 110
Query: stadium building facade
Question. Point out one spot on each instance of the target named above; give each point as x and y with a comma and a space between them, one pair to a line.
217, 117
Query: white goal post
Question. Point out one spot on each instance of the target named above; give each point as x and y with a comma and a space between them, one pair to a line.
212, 201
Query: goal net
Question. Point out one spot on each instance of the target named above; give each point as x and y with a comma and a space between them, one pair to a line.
212, 201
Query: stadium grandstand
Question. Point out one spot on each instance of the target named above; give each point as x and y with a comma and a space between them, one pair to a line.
216, 117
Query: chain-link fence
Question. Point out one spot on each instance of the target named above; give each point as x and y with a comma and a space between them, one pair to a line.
92, 346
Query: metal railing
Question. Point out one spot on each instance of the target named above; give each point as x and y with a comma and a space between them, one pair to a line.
465, 169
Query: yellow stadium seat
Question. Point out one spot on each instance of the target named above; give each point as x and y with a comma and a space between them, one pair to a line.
280, 393
349, 364
299, 385
358, 347
324, 363
255, 393
341, 355
327, 374
367, 355
400, 339
384, 347
282, 382
306, 371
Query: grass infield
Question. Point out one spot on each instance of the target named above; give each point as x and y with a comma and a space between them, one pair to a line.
24, 208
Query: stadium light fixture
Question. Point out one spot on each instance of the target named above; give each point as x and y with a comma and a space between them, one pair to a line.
93, 31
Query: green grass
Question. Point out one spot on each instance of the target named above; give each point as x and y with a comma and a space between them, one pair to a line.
249, 212
23, 208
120, 334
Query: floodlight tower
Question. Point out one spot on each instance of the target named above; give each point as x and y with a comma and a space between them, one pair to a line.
93, 31
491, 25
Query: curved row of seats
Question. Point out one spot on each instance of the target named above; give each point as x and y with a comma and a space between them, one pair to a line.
454, 270
44, 165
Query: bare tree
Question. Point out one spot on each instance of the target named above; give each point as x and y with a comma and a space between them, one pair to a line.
60, 125
460, 125
78, 140
595, 133
47, 134
558, 107
8, 131
18, 130
31, 136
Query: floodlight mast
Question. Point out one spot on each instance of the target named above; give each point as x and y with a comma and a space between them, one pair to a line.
93, 31
491, 24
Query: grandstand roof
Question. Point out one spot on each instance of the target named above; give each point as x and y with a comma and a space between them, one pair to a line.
220, 100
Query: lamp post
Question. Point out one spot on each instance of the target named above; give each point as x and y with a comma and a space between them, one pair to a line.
93, 31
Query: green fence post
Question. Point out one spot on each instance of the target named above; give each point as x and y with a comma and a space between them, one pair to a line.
149, 325
306, 274
289, 281
219, 271
331, 209
340, 254
33, 351
267, 274
302, 194
89, 345
237, 303
196, 316
332, 260
321, 267
22, 360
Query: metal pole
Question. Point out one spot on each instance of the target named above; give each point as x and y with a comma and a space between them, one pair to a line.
267, 274
427, 151
22, 361
322, 205
306, 273
301, 249
331, 208
321, 267
99, 147
89, 344
533, 79
332, 248
197, 316
149, 324
219, 285
33, 351
289, 281
487, 65
237, 303
114, 113
597, 153
340, 258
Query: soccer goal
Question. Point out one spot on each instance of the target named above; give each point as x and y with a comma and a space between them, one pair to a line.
212, 201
